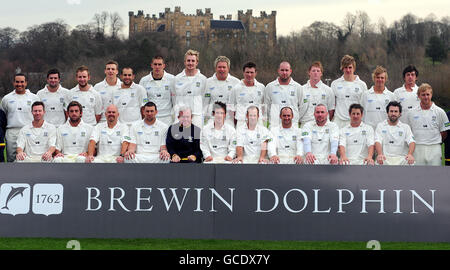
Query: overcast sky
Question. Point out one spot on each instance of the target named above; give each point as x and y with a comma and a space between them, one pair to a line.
292, 15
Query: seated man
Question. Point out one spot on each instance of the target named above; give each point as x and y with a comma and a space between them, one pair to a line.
356, 140
72, 138
286, 146
183, 139
147, 142
252, 139
36, 141
218, 139
320, 138
394, 141
111, 137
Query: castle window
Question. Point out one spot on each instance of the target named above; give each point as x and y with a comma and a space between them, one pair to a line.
235, 35
188, 34
188, 43
266, 36
171, 24
135, 27
212, 35
254, 25
266, 26
188, 22
202, 23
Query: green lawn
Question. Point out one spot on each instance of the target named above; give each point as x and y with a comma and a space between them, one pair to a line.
183, 244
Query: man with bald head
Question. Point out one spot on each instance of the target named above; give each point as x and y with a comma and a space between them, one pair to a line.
110, 138
320, 138
283, 92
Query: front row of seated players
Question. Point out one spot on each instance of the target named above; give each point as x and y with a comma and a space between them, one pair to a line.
150, 140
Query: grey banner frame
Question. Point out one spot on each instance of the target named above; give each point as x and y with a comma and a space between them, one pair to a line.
416, 202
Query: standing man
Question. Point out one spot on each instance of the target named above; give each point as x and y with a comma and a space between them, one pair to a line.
183, 139
85, 94
347, 90
316, 92
320, 138
429, 124
252, 140
129, 98
218, 89
190, 88
106, 87
248, 92
55, 98
17, 106
218, 138
286, 146
3, 157
37, 140
160, 86
283, 92
147, 142
111, 137
394, 141
377, 98
72, 138
407, 94
357, 140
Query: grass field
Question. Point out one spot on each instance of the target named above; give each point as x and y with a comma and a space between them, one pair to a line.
183, 244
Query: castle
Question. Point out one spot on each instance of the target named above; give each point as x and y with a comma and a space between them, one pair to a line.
203, 27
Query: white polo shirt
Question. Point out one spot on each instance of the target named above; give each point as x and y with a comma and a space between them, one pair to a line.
216, 90
160, 92
55, 104
110, 139
73, 140
315, 96
286, 142
375, 106
252, 140
409, 100
18, 108
91, 102
346, 94
106, 93
357, 140
243, 96
321, 137
37, 141
218, 143
394, 139
148, 138
189, 90
277, 96
427, 125
129, 102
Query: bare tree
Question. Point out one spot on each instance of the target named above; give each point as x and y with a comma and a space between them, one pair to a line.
100, 21
116, 24
363, 22
8, 36
349, 22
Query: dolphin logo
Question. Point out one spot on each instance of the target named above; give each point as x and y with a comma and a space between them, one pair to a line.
12, 194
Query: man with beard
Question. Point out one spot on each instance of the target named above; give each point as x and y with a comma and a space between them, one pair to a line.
36, 141
72, 138
394, 141
316, 92
147, 142
218, 139
106, 87
252, 140
190, 88
17, 106
356, 140
407, 94
89, 99
283, 92
248, 92
183, 139
286, 146
218, 89
129, 98
55, 98
320, 138
112, 139
160, 86
429, 124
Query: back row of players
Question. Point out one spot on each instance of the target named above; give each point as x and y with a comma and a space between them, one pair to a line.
191, 95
